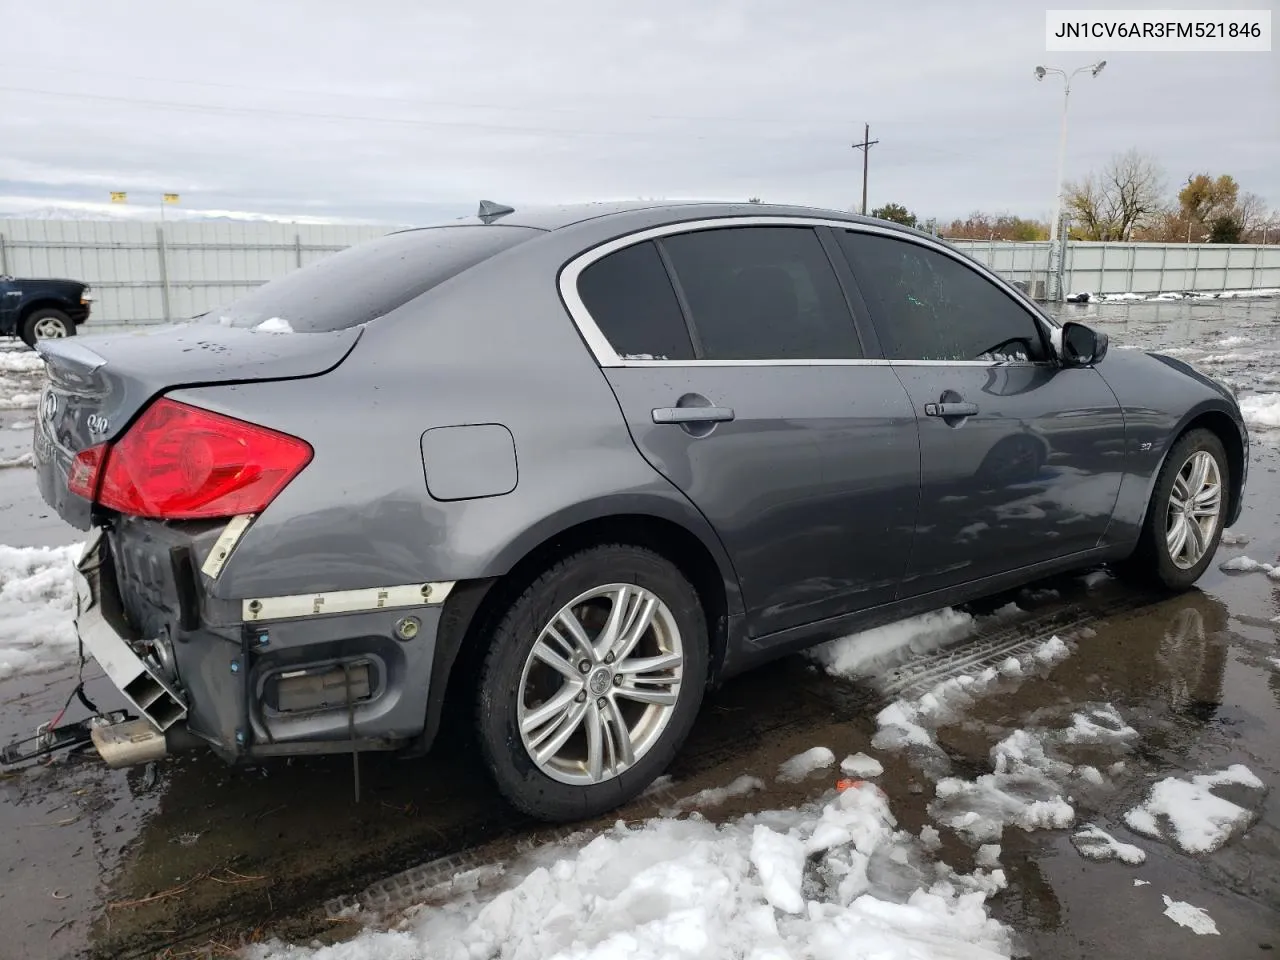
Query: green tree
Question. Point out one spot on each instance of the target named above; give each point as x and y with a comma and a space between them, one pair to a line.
897, 213
1225, 229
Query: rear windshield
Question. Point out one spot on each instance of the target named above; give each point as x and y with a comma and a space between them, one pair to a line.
366, 281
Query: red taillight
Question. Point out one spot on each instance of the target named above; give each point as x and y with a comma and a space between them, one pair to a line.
182, 463
83, 478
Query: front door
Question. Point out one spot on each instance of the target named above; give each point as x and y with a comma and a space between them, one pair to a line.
803, 459
1021, 459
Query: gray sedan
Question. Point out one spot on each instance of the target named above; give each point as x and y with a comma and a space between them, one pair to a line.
566, 468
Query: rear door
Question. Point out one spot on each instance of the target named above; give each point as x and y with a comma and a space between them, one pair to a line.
1021, 459
740, 370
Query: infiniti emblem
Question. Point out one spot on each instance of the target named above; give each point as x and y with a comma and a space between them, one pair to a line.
50, 404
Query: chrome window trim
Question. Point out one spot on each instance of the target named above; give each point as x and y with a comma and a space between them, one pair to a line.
606, 357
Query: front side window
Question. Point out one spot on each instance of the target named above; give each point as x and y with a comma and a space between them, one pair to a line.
630, 298
928, 306
762, 293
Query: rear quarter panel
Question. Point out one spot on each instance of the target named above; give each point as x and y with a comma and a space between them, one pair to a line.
491, 346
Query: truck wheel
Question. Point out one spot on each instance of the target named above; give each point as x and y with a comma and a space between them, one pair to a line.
592, 682
47, 323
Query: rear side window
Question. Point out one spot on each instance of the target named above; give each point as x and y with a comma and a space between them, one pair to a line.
763, 293
369, 280
928, 306
629, 295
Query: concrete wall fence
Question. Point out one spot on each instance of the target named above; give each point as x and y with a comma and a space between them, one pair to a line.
151, 272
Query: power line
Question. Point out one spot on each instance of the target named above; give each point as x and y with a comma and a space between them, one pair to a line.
865, 146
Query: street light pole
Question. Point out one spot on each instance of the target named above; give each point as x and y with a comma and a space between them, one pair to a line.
1041, 73
1055, 243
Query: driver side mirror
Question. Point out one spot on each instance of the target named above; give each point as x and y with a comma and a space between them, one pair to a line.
1082, 346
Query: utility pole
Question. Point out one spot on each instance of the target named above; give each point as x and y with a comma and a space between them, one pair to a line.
865, 146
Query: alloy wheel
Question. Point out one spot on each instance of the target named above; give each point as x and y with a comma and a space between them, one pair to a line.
1195, 506
600, 684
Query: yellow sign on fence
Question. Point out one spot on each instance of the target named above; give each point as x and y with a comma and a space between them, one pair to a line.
121, 197
170, 198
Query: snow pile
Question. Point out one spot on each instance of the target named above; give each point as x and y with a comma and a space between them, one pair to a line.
21, 460
24, 361
274, 325
1187, 814
872, 651
809, 882
1261, 410
19, 401
861, 766
1094, 843
1184, 914
803, 764
1249, 565
37, 595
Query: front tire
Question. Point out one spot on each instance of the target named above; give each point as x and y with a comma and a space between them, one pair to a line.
1184, 519
46, 323
592, 683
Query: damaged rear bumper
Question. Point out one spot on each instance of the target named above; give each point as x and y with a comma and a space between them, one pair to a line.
247, 677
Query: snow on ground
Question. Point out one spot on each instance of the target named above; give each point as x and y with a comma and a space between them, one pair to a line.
36, 599
1249, 565
1090, 297
714, 796
21, 460
1196, 919
910, 723
19, 401
861, 766
865, 653
1189, 815
1094, 843
803, 764
807, 882
25, 361
1261, 410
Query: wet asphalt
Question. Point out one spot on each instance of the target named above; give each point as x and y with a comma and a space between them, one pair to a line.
188, 857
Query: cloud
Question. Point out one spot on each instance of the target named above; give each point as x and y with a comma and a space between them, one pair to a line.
399, 110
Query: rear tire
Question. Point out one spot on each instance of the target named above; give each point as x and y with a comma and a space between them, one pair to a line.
1184, 518
599, 711
46, 323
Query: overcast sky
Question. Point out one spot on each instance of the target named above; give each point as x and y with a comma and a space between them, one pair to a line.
410, 110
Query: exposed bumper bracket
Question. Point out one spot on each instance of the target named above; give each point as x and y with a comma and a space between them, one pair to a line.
65, 737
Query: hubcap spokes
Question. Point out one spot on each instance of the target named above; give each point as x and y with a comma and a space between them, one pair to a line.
49, 328
1195, 504
600, 684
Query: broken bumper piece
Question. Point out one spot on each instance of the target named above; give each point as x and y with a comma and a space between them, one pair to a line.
248, 678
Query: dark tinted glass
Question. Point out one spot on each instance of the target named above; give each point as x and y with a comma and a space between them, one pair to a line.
629, 295
928, 306
763, 293
369, 280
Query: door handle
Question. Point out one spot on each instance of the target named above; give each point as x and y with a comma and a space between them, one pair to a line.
950, 409
692, 414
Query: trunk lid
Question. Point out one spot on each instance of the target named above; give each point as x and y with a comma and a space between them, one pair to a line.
95, 386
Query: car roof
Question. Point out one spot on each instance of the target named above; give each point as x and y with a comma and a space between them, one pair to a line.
557, 217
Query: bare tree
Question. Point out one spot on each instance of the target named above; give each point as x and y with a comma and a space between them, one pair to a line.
1127, 194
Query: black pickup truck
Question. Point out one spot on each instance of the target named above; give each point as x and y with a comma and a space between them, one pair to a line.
35, 309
